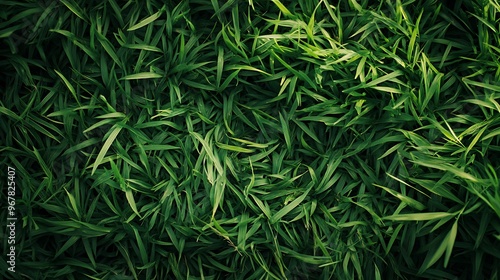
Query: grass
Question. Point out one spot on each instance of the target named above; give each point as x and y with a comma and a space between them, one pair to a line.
252, 139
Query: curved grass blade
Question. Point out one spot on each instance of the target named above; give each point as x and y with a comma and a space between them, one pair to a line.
419, 216
141, 76
147, 20
111, 138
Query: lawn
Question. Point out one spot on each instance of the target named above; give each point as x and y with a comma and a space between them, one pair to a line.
250, 139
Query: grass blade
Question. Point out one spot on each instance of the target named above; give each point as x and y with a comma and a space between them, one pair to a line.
115, 130
147, 20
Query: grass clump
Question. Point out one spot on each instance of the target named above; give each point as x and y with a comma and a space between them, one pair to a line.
252, 139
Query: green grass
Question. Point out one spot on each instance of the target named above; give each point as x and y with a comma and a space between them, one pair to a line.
252, 139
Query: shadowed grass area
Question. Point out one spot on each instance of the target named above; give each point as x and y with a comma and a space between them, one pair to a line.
252, 139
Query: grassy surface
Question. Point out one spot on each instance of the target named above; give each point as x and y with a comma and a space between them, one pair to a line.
252, 139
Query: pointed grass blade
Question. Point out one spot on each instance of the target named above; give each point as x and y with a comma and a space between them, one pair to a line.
445, 246
419, 216
142, 76
109, 141
146, 21
291, 206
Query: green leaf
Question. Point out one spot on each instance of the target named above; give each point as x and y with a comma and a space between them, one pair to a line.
450, 242
68, 85
74, 204
408, 200
291, 206
446, 245
147, 20
115, 130
131, 201
286, 132
74, 8
143, 47
282, 8
234, 148
140, 76
419, 216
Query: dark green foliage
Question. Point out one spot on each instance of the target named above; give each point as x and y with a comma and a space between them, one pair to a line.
252, 139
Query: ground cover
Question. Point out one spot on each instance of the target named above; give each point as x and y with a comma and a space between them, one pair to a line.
251, 139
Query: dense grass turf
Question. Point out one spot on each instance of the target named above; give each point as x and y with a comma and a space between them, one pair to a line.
252, 139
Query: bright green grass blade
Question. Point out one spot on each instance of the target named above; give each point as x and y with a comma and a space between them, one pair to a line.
301, 75
282, 8
147, 20
143, 47
450, 242
68, 85
115, 130
233, 148
75, 9
9, 113
437, 189
291, 206
408, 200
98, 124
242, 231
131, 201
112, 115
220, 66
412, 45
74, 204
109, 48
286, 132
437, 164
403, 182
263, 206
140, 76
374, 83
419, 216
209, 151
446, 245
